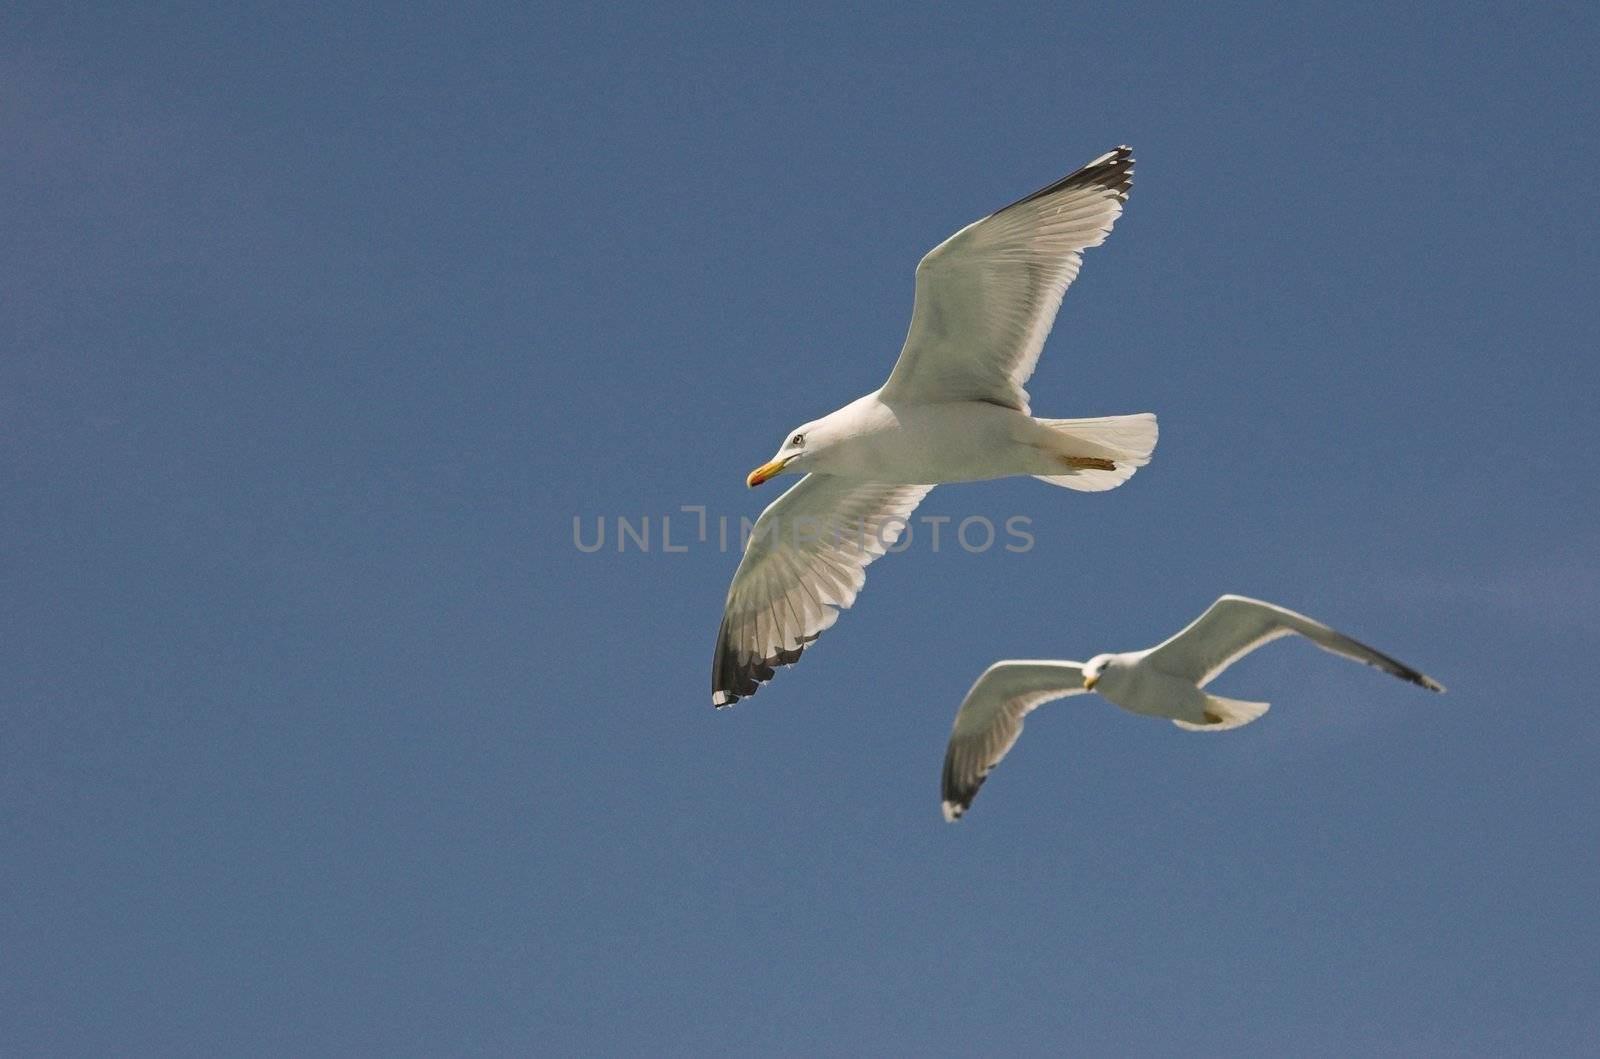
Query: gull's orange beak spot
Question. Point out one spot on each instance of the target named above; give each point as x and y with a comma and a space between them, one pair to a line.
765, 471
1090, 682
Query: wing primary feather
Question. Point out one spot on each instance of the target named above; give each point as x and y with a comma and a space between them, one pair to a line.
1112, 171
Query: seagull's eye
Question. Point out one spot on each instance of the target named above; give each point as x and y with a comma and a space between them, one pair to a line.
798, 440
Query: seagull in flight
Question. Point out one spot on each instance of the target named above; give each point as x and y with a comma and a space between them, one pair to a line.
1161, 681
953, 410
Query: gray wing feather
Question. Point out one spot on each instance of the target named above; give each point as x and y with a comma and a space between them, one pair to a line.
1234, 626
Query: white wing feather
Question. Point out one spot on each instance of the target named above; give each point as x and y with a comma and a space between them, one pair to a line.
988, 295
990, 721
805, 562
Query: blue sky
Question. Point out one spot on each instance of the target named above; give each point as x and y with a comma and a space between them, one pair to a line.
318, 326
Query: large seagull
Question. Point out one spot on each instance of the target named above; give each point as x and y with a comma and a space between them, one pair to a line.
953, 410
1161, 681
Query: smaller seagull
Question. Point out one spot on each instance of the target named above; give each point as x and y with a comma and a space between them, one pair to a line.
1161, 681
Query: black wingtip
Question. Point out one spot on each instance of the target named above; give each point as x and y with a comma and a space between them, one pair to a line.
956, 796
734, 677
1112, 171
1409, 675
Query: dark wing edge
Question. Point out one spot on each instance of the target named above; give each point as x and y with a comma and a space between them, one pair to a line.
1386, 663
735, 677
959, 784
1112, 171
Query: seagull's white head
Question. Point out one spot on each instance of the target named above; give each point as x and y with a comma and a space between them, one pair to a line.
796, 455
1095, 669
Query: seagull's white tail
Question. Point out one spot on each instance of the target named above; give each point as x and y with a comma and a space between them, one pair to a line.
1123, 441
1235, 713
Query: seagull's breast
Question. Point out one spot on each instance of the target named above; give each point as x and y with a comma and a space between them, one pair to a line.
957, 441
1145, 690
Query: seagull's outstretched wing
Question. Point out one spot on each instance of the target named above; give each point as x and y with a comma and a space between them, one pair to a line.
1234, 626
805, 562
986, 296
990, 720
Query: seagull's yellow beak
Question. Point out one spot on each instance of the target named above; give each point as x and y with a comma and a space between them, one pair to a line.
765, 471
1089, 681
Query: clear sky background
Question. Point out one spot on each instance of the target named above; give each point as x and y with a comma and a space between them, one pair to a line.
318, 326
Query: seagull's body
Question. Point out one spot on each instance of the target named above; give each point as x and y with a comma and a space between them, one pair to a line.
907, 443
953, 410
1162, 681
